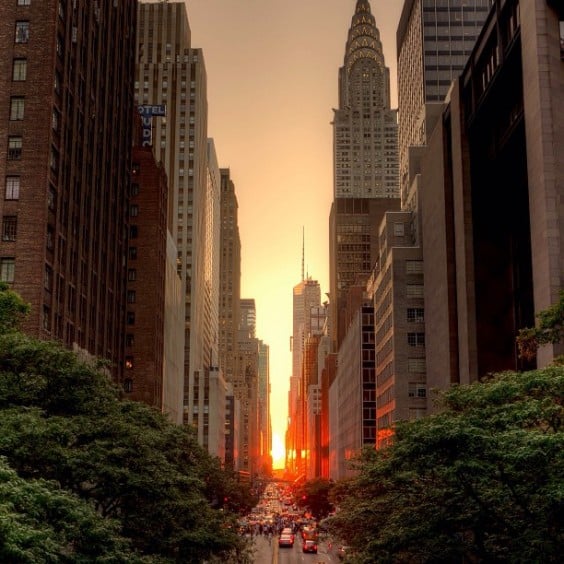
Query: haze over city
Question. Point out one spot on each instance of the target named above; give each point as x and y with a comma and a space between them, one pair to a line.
272, 85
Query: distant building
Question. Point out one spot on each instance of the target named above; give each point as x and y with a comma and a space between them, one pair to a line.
66, 103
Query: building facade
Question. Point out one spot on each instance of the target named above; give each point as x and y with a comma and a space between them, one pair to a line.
67, 102
492, 170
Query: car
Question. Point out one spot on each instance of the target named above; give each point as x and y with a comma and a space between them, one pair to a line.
286, 540
309, 546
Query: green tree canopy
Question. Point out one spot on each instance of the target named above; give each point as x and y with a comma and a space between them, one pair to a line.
62, 420
12, 309
314, 495
482, 481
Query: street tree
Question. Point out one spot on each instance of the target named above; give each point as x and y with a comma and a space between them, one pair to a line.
481, 481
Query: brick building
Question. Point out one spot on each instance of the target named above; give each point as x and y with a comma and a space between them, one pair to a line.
67, 107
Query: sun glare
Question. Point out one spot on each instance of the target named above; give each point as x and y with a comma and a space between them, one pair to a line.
278, 452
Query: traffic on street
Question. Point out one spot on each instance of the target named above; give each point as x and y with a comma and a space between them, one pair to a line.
280, 533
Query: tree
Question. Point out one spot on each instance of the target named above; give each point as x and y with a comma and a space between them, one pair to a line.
315, 496
482, 481
41, 523
62, 420
550, 330
12, 309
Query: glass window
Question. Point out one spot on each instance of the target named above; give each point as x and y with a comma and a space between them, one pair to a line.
7, 269
17, 106
416, 339
415, 315
12, 188
24, 2
14, 147
133, 210
19, 69
132, 274
414, 266
22, 32
130, 317
132, 253
128, 385
398, 229
9, 227
131, 296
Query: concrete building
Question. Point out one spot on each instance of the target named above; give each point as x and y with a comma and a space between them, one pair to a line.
66, 128
353, 251
172, 73
434, 40
493, 170
396, 290
306, 296
265, 430
246, 390
230, 277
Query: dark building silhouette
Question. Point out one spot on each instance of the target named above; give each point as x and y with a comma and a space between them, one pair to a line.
66, 102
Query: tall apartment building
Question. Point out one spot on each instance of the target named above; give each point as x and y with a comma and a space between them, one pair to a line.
365, 147
493, 172
246, 389
172, 73
230, 276
306, 296
67, 106
265, 429
434, 40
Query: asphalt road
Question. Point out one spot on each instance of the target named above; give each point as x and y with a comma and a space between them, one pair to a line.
268, 553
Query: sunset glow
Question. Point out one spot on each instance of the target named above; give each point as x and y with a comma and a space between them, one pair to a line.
278, 452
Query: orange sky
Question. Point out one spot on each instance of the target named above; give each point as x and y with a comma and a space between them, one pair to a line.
272, 69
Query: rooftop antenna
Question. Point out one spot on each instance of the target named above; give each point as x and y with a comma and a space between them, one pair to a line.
303, 251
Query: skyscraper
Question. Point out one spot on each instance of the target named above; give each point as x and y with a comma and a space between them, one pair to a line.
364, 127
67, 102
434, 40
365, 145
170, 72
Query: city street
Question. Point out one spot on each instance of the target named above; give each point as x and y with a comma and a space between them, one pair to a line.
267, 552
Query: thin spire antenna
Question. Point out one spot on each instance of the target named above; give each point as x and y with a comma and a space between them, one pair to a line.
303, 251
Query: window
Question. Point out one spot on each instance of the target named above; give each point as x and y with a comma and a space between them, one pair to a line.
14, 148
22, 32
414, 266
134, 189
9, 227
132, 274
129, 340
417, 390
562, 40
128, 362
132, 253
416, 365
17, 106
131, 296
24, 2
399, 229
130, 317
55, 120
133, 231
415, 315
133, 210
128, 385
19, 69
12, 188
7, 269
416, 339
414, 290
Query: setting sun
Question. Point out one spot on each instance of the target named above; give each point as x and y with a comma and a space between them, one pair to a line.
278, 452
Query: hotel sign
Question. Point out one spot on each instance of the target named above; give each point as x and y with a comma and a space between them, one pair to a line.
147, 114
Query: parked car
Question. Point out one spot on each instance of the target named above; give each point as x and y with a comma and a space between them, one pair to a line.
309, 546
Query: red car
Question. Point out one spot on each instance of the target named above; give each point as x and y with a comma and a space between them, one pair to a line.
310, 546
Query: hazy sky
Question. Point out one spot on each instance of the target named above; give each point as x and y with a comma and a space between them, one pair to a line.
272, 68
